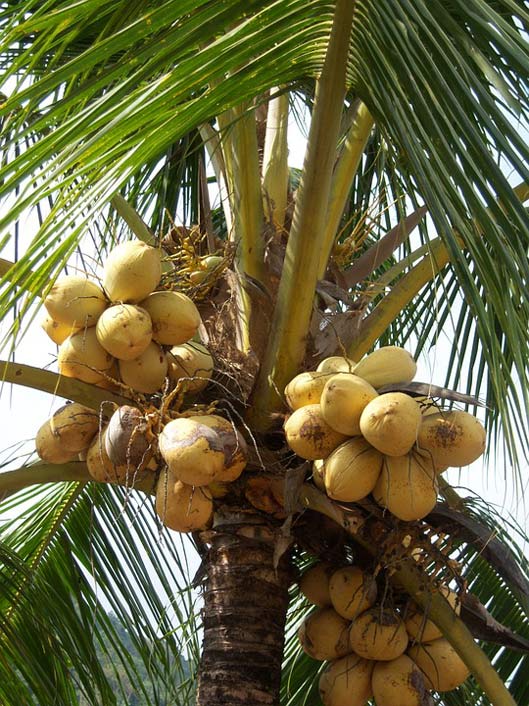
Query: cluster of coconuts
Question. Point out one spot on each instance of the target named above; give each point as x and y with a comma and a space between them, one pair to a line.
395, 656
123, 329
363, 441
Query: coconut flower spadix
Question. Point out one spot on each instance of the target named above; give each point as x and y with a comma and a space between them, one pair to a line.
343, 400
75, 301
309, 435
378, 634
407, 486
182, 507
443, 668
191, 362
347, 682
132, 271
453, 438
175, 318
390, 423
147, 372
352, 470
193, 451
352, 591
399, 682
305, 389
81, 356
124, 330
324, 634
386, 365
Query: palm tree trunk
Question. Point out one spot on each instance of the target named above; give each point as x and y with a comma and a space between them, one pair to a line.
246, 601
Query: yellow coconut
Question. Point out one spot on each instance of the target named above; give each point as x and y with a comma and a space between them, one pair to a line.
56, 331
398, 682
182, 507
352, 591
378, 634
347, 682
206, 267
147, 372
352, 470
235, 447
443, 668
417, 624
386, 365
124, 330
343, 400
390, 423
305, 389
132, 271
314, 584
336, 364
318, 473
50, 447
75, 301
407, 486
81, 356
193, 451
75, 425
453, 438
191, 362
324, 634
175, 318
103, 470
127, 441
308, 434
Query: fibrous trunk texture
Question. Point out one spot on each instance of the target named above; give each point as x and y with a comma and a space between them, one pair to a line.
246, 600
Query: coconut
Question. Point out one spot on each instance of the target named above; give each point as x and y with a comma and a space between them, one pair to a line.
235, 447
308, 434
386, 365
378, 634
207, 265
103, 470
182, 507
305, 389
50, 447
56, 331
193, 451
132, 271
352, 470
423, 630
75, 301
175, 318
343, 400
314, 584
346, 682
81, 356
407, 486
336, 364
398, 682
324, 634
352, 591
124, 330
390, 423
147, 372
318, 473
126, 439
444, 670
191, 362
75, 425
453, 438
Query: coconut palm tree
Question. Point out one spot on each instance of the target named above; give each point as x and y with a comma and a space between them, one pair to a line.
406, 226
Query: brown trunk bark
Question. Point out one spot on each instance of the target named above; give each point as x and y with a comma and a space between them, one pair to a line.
246, 600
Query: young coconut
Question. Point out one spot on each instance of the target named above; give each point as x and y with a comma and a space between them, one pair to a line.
352, 591
390, 423
207, 266
175, 318
182, 507
75, 301
453, 438
407, 486
191, 362
193, 451
386, 365
336, 364
352, 470
399, 682
55, 330
324, 634
443, 668
132, 271
50, 447
318, 473
421, 629
124, 330
103, 470
308, 434
81, 356
75, 426
343, 400
347, 682
314, 584
378, 634
235, 447
126, 440
305, 389
147, 372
